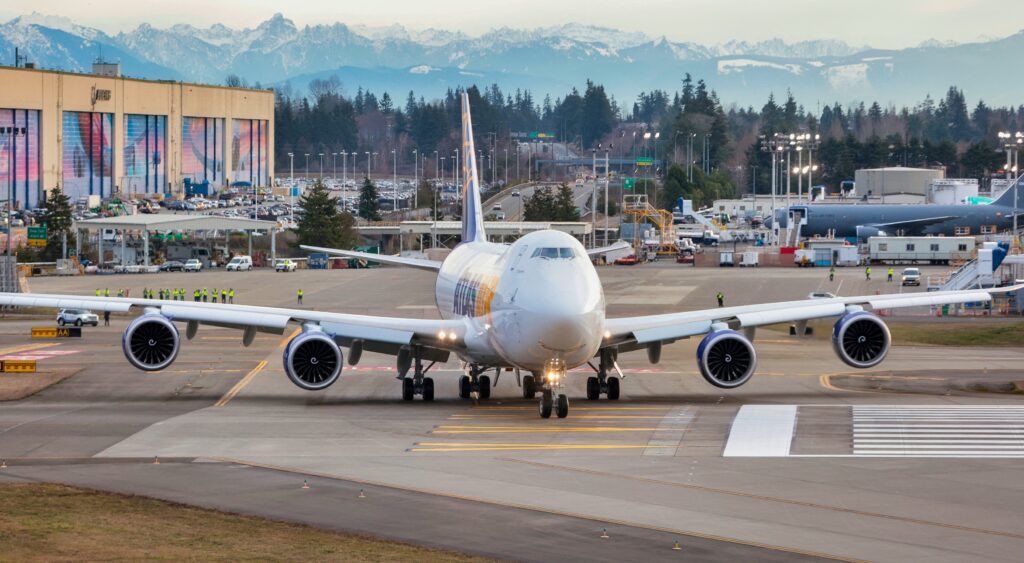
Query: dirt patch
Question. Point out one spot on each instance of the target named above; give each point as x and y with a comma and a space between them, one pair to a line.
17, 386
42, 522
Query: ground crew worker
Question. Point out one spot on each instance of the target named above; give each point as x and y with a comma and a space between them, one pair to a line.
831, 273
300, 296
867, 273
231, 295
106, 318
889, 274
182, 292
223, 296
206, 295
721, 299
195, 295
120, 292
106, 291
97, 292
215, 295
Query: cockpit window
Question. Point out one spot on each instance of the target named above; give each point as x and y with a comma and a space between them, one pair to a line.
552, 253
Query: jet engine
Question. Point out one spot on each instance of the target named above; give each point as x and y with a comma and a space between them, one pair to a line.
151, 342
312, 360
726, 359
861, 339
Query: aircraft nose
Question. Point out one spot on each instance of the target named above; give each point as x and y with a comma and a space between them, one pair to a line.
563, 334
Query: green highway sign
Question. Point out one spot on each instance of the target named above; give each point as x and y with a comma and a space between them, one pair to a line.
644, 161
628, 183
37, 232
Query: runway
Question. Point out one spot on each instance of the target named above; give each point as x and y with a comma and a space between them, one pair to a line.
808, 460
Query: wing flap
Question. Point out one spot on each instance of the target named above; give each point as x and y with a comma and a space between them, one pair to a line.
759, 318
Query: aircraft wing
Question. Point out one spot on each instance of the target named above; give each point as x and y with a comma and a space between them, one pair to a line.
379, 334
418, 263
675, 326
620, 245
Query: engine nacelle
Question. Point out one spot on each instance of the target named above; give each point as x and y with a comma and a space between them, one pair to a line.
151, 342
861, 339
312, 360
726, 359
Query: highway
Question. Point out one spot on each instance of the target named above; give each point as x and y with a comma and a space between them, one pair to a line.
513, 206
668, 462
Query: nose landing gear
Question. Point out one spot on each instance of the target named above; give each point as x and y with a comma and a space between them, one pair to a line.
554, 375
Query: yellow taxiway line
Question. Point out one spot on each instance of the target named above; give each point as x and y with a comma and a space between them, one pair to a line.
461, 417
532, 430
28, 348
533, 408
241, 384
484, 447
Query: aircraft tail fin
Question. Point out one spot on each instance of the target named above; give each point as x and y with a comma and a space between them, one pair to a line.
1007, 197
472, 207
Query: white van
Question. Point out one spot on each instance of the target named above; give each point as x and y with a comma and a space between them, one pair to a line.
240, 263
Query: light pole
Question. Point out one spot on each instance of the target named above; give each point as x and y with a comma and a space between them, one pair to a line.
416, 179
394, 181
334, 166
291, 187
606, 182
506, 167
367, 165
456, 171
307, 167
437, 175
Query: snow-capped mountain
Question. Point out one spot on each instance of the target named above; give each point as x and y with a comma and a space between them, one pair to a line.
545, 60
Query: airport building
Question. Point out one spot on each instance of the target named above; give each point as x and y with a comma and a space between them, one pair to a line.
104, 134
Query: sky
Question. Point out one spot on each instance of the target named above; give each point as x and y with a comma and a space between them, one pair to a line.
875, 23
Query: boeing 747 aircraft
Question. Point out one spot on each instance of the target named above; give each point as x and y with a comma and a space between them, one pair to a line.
534, 306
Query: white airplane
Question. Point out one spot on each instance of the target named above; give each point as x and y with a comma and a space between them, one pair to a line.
536, 306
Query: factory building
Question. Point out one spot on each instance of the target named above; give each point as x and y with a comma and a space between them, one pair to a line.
104, 134
895, 181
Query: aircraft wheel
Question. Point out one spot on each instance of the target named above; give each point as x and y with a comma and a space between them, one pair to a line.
563, 406
484, 386
545, 404
407, 389
613, 388
593, 389
529, 387
464, 387
428, 389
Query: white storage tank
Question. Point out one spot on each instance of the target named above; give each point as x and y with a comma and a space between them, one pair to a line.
952, 191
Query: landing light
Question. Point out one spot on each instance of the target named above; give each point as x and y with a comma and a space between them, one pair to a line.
441, 335
607, 334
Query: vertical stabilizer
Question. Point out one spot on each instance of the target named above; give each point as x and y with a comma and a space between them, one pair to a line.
1012, 196
472, 208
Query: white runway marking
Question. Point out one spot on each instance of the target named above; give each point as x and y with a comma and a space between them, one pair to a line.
761, 431
938, 431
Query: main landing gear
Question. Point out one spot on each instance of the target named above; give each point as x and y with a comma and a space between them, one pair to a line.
602, 384
475, 385
418, 384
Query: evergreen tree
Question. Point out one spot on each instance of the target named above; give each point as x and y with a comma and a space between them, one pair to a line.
57, 218
368, 207
322, 224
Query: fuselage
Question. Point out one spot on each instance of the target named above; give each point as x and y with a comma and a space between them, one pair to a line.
536, 300
844, 219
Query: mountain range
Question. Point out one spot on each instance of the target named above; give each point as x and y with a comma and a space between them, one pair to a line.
549, 60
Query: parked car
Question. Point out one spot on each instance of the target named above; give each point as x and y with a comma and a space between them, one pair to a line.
630, 260
193, 265
239, 263
172, 266
284, 265
911, 276
77, 317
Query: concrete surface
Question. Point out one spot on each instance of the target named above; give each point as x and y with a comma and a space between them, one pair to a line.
649, 467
